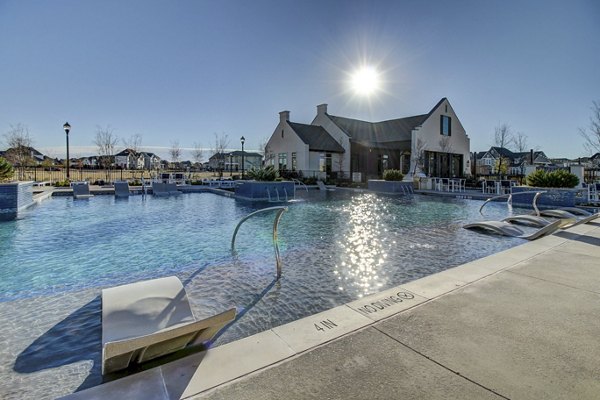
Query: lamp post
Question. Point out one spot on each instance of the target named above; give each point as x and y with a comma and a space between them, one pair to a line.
230, 164
243, 140
67, 128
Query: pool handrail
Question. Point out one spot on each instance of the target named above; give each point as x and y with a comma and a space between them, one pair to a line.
301, 183
509, 200
280, 210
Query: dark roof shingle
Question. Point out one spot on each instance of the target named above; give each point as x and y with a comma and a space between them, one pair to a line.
316, 137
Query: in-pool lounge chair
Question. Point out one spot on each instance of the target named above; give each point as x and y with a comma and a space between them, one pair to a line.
122, 189
81, 190
171, 188
506, 229
146, 320
159, 189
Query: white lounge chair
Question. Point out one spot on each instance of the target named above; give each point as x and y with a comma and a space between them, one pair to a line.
146, 320
122, 189
572, 214
506, 229
81, 190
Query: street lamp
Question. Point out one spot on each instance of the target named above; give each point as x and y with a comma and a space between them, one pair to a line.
230, 164
67, 128
242, 139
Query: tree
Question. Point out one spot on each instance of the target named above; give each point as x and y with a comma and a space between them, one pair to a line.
134, 142
106, 140
503, 138
221, 143
418, 156
6, 170
521, 145
198, 153
175, 151
591, 135
19, 151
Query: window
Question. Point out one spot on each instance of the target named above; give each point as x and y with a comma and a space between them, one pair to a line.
445, 125
325, 162
282, 161
294, 162
282, 133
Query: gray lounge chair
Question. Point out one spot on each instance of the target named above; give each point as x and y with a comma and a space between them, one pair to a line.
146, 320
122, 189
159, 189
171, 188
506, 229
81, 190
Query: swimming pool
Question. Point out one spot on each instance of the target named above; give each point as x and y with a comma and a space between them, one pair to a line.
335, 247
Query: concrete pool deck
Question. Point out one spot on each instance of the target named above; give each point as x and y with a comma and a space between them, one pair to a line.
522, 323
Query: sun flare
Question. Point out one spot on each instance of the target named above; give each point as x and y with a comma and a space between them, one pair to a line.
365, 81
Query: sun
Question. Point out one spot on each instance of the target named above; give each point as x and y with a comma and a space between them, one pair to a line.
365, 81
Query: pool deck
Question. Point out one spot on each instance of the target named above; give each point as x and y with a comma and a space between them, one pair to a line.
523, 323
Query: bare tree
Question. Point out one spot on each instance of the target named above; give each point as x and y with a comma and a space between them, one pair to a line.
520, 140
418, 157
221, 143
340, 161
503, 138
198, 153
591, 135
263, 148
175, 151
19, 151
134, 142
105, 141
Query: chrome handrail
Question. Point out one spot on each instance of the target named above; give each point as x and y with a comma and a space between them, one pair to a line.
300, 182
280, 211
510, 195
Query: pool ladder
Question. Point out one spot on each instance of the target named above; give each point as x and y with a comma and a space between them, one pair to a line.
280, 210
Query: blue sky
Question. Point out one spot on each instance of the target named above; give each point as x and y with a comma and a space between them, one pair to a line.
185, 70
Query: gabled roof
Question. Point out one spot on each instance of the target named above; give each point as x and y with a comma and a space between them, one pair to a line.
246, 154
394, 130
386, 131
504, 152
316, 137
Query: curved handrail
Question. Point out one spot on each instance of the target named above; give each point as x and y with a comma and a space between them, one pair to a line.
300, 182
510, 195
280, 211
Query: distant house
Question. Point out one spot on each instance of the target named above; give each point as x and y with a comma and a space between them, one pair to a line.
488, 162
151, 161
232, 161
434, 143
129, 159
23, 155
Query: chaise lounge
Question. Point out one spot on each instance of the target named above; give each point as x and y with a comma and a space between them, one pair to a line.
81, 190
146, 320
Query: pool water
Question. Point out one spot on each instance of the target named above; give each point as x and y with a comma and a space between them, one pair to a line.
335, 247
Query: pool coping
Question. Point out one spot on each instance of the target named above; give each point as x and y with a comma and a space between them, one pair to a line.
221, 365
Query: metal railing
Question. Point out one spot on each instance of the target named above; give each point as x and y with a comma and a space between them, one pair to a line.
509, 197
280, 210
